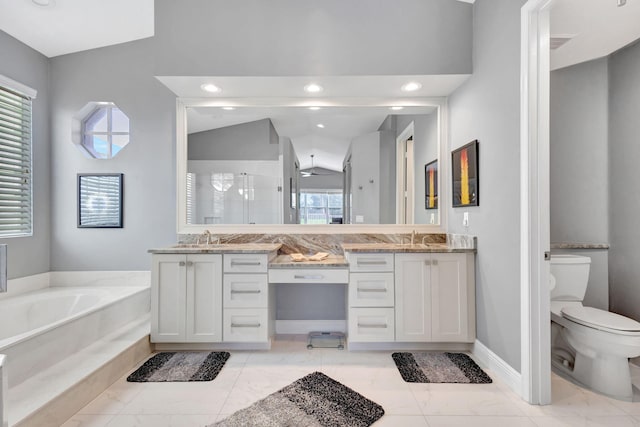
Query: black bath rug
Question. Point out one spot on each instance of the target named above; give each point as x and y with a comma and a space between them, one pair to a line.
180, 366
314, 400
439, 368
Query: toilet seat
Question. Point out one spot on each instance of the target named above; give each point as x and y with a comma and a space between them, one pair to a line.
602, 320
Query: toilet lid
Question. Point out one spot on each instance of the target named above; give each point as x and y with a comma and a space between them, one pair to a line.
600, 319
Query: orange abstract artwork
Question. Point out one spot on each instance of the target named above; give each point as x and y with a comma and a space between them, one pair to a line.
431, 185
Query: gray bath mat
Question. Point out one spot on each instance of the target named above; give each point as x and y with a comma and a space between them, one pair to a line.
439, 368
180, 366
315, 400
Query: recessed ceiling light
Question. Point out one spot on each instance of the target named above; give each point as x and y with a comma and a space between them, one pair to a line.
228, 108
313, 88
397, 107
320, 125
411, 87
44, 3
210, 87
314, 108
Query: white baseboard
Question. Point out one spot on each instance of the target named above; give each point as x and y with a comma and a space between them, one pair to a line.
306, 326
499, 367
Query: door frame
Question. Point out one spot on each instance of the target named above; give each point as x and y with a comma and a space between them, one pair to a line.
405, 171
534, 202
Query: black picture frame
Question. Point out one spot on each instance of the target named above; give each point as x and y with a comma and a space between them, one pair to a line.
465, 175
100, 200
431, 185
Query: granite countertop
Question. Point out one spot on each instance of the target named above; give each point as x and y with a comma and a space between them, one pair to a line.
402, 248
285, 261
573, 245
237, 248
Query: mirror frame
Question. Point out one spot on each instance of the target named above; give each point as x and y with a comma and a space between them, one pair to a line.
181, 166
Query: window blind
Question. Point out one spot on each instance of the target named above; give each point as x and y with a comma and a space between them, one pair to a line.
15, 164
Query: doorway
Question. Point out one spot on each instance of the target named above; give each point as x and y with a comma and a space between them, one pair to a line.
405, 181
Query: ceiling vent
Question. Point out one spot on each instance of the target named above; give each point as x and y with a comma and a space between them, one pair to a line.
557, 40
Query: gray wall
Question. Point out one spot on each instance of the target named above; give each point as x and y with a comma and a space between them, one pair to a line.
256, 140
487, 107
287, 37
313, 37
332, 180
624, 158
289, 177
30, 255
425, 150
579, 167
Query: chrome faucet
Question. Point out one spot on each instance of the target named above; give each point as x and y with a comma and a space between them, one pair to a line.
206, 234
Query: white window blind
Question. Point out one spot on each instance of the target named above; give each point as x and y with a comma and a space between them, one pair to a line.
15, 163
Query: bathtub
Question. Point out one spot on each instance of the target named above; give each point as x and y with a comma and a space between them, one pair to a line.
39, 329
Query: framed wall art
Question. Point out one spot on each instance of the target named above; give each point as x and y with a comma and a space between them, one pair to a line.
465, 176
431, 185
100, 200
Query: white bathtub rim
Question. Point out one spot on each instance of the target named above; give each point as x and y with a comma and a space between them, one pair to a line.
10, 342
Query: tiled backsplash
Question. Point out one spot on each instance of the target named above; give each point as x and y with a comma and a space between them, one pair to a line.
312, 243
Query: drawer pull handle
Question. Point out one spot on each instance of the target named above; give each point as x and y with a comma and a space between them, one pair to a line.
245, 325
257, 291
189, 263
245, 263
373, 325
431, 262
182, 263
361, 262
371, 290
309, 276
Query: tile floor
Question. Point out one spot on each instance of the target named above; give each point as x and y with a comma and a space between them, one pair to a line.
251, 375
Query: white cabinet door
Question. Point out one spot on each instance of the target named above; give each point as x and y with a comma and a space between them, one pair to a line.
168, 293
204, 298
450, 299
413, 297
186, 298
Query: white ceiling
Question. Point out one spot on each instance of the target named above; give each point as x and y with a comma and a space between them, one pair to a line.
600, 28
68, 26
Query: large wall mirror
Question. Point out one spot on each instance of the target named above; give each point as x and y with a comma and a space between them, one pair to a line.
286, 165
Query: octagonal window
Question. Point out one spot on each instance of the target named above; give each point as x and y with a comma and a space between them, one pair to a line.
103, 130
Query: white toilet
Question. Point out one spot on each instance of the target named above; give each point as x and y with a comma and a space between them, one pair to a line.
589, 345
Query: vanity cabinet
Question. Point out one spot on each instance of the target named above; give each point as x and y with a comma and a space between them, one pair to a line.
434, 297
186, 298
245, 316
371, 297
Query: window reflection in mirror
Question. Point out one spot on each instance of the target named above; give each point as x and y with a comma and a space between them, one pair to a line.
294, 165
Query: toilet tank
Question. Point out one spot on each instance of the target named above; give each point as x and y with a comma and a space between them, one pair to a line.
571, 274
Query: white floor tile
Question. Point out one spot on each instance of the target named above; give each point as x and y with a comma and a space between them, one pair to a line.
86, 420
613, 421
249, 376
478, 421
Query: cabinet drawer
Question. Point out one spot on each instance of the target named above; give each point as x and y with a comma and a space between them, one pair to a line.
245, 290
245, 263
364, 262
371, 290
308, 275
371, 325
245, 325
